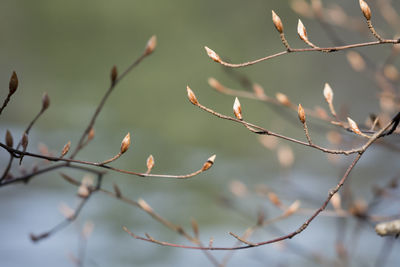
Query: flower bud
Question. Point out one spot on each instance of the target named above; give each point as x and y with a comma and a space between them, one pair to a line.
191, 96
151, 45
301, 31
208, 163
24, 141
126, 142
114, 74
283, 99
214, 56
277, 22
45, 101
150, 163
9, 139
328, 93
365, 9
237, 109
353, 126
65, 149
13, 85
301, 113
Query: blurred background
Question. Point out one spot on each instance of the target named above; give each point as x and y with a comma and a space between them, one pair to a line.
67, 49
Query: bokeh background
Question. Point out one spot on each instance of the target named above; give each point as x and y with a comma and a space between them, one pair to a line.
67, 49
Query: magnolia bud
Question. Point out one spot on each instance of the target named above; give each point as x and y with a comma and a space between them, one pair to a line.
91, 134
301, 113
214, 56
277, 22
13, 85
208, 163
126, 142
191, 96
237, 109
151, 45
365, 9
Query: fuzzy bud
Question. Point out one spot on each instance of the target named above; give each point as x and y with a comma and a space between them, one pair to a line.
91, 134
126, 142
237, 109
301, 113
388, 228
283, 99
277, 22
9, 139
150, 163
65, 149
301, 31
143, 204
328, 93
353, 126
191, 96
365, 9
151, 45
293, 208
45, 101
114, 74
24, 141
214, 56
208, 163
13, 85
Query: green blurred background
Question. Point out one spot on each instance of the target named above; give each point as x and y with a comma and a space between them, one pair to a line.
67, 49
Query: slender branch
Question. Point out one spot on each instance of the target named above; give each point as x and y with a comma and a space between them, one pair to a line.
314, 49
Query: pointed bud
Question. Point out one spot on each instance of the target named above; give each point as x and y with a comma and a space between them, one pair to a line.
277, 22
237, 109
195, 228
126, 142
9, 139
283, 99
65, 149
150, 163
301, 31
83, 191
143, 204
191, 96
336, 201
24, 141
274, 199
151, 45
365, 9
328, 93
214, 56
45, 101
117, 191
114, 74
294, 207
215, 84
13, 85
353, 126
258, 91
91, 134
301, 113
208, 163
